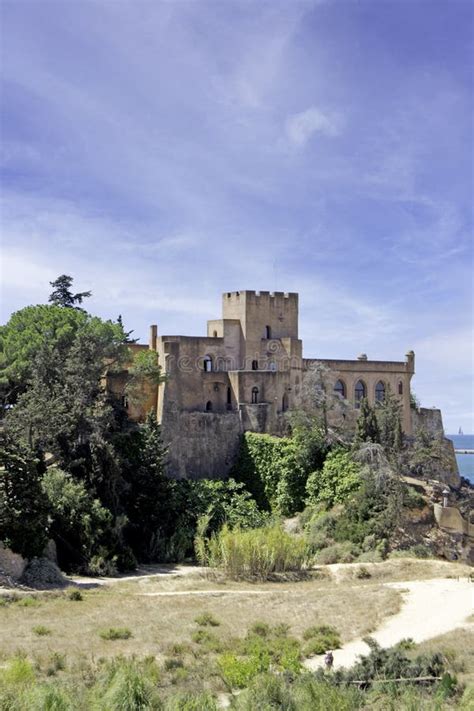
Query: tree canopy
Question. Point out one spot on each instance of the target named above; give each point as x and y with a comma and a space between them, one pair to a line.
62, 294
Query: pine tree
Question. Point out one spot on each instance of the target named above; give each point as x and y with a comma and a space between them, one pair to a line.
367, 427
62, 294
389, 421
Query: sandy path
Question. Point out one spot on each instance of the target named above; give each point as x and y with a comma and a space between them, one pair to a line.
174, 593
430, 608
142, 573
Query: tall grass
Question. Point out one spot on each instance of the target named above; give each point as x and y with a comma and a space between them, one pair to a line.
253, 553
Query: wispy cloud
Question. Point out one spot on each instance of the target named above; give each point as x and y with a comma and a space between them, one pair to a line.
302, 126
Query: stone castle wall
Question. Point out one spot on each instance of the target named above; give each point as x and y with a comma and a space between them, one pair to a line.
201, 444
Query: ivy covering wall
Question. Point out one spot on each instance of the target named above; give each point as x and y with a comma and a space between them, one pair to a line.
271, 469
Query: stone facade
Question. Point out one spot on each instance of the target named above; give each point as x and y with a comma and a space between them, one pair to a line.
246, 374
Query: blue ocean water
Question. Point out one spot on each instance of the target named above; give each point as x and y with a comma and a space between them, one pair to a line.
465, 461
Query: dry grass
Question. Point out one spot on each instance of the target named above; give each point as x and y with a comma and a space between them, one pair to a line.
158, 618
156, 622
401, 569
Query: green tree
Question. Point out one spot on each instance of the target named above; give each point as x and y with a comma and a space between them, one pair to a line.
23, 505
36, 328
65, 406
367, 429
388, 415
149, 491
78, 522
62, 294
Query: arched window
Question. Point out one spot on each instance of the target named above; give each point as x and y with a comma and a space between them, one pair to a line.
284, 403
229, 399
268, 332
273, 366
214, 334
380, 392
208, 406
340, 389
360, 392
255, 365
207, 364
400, 388
254, 395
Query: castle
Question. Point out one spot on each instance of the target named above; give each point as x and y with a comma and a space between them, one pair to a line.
247, 374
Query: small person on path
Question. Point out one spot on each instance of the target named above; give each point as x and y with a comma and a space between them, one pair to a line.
328, 660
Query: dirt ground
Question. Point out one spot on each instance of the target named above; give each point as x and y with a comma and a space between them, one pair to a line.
159, 606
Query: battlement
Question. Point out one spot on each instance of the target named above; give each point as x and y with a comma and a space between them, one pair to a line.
254, 295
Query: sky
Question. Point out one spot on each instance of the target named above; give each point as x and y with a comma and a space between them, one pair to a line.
162, 153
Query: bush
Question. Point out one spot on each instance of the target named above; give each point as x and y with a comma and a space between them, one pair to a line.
172, 663
319, 529
102, 565
319, 639
237, 672
41, 631
79, 521
47, 697
266, 692
28, 601
207, 640
130, 688
206, 618
262, 629
115, 633
17, 671
363, 573
75, 595
337, 553
311, 695
256, 553
338, 479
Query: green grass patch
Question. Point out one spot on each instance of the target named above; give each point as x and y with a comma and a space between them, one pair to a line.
113, 633
41, 630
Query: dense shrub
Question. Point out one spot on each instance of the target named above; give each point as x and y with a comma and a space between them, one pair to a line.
267, 692
78, 521
129, 687
391, 663
336, 553
23, 506
320, 638
254, 553
338, 479
272, 470
263, 648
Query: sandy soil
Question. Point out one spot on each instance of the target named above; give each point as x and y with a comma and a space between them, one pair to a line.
431, 608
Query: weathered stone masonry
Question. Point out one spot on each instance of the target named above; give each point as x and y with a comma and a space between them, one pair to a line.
245, 375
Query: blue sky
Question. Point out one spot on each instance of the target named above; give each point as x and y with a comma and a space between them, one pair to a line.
165, 152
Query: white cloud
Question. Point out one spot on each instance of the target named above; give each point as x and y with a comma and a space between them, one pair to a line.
301, 127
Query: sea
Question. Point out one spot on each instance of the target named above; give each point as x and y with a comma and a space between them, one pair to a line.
465, 461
